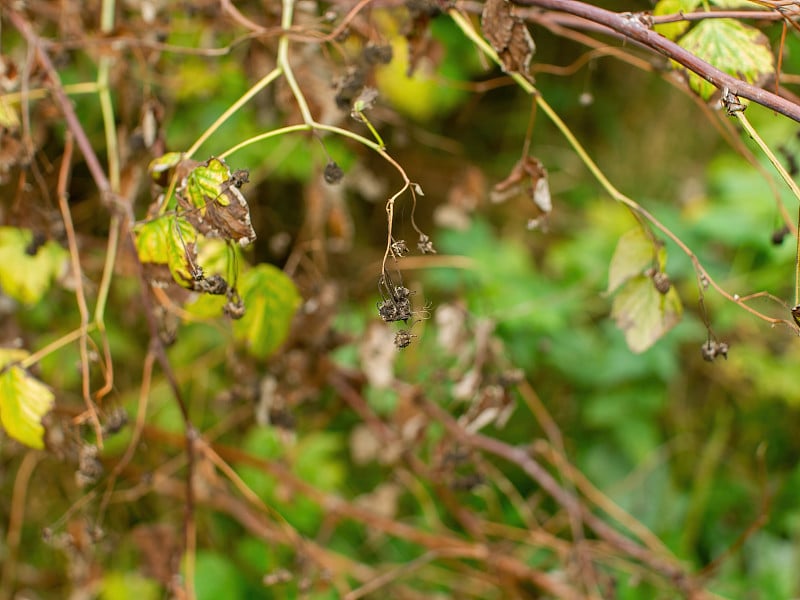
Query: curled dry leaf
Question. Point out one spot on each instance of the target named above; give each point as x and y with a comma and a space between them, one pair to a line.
509, 36
528, 178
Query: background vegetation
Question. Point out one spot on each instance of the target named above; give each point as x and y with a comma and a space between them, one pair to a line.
536, 437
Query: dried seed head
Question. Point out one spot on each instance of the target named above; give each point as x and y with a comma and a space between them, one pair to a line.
239, 177
778, 235
214, 285
402, 339
391, 310
711, 349
333, 173
375, 54
400, 248
662, 282
425, 244
234, 307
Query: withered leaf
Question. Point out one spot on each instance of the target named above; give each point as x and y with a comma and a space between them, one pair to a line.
509, 36
527, 178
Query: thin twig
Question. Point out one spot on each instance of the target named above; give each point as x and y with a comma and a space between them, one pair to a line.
77, 275
15, 520
73, 124
632, 27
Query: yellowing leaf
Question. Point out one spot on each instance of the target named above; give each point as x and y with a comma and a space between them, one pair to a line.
643, 313
633, 255
23, 276
159, 168
731, 46
270, 299
8, 116
205, 183
151, 241
24, 400
669, 7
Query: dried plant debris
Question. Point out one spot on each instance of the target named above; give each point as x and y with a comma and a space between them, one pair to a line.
528, 178
509, 36
202, 212
712, 349
333, 173
377, 54
396, 303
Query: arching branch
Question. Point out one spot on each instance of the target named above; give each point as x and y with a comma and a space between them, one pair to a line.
635, 26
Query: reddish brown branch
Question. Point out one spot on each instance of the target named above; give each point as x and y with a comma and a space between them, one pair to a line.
519, 456
74, 125
633, 27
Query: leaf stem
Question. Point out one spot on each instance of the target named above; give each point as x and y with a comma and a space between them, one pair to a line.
283, 62
245, 98
748, 127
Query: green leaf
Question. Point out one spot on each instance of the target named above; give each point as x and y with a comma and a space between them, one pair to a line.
205, 183
669, 7
159, 168
731, 46
644, 314
24, 400
633, 255
24, 277
217, 577
271, 299
128, 586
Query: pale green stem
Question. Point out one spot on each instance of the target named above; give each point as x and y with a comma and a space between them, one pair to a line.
73, 89
283, 62
303, 127
34, 358
786, 178
260, 85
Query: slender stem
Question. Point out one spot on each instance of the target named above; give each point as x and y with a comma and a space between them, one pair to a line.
786, 178
71, 89
305, 127
114, 171
64, 340
283, 61
71, 118
16, 519
233, 108
634, 27
77, 274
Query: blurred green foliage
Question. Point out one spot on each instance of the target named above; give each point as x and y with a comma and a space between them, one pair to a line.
695, 451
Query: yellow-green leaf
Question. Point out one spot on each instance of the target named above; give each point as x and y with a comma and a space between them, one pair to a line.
670, 7
9, 119
23, 276
731, 46
159, 168
151, 240
205, 183
633, 255
643, 313
270, 299
24, 400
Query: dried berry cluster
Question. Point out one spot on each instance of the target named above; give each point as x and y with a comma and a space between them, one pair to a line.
395, 304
